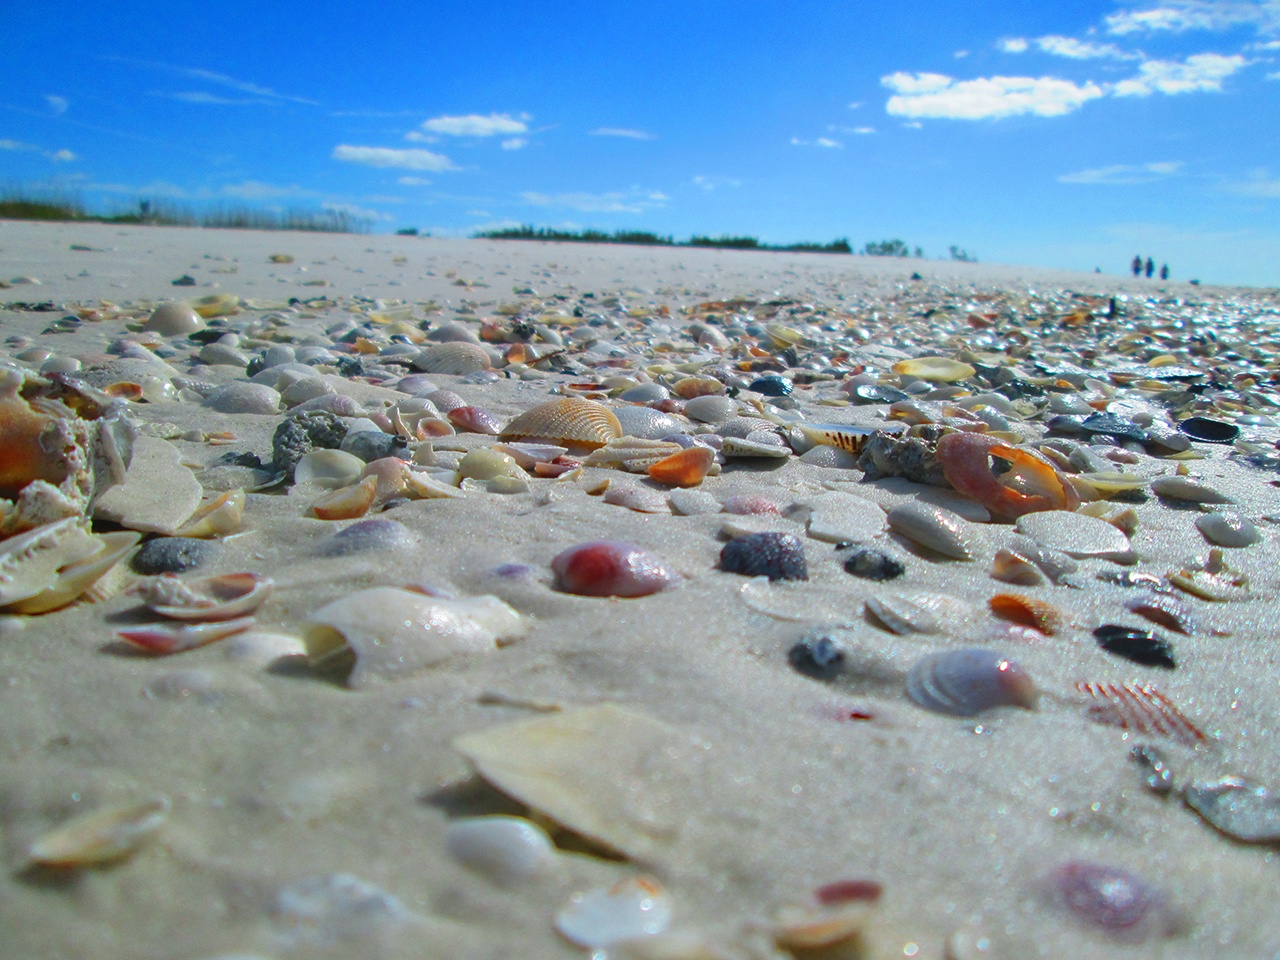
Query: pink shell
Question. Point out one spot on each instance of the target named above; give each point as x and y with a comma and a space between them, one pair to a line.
608, 568
474, 420
1112, 900
1141, 708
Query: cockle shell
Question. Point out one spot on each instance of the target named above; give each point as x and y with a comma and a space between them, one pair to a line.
391, 632
454, 357
631, 908
573, 421
220, 597
100, 836
965, 682
1141, 708
933, 527
1028, 611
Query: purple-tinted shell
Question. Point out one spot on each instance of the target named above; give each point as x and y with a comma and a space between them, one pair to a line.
963, 683
608, 568
778, 556
362, 536
338, 404
1111, 900
417, 385
446, 400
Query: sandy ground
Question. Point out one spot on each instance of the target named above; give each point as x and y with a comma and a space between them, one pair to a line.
277, 774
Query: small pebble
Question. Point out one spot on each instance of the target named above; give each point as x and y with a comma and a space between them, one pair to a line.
173, 555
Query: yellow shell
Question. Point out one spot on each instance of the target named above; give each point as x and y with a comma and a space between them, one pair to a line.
934, 369
570, 420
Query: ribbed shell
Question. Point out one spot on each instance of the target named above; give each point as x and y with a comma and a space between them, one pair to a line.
963, 683
454, 357
571, 420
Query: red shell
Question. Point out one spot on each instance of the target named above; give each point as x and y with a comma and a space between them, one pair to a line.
607, 568
1141, 708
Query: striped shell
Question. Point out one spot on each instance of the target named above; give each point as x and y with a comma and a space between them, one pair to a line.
453, 357
965, 682
1140, 708
570, 420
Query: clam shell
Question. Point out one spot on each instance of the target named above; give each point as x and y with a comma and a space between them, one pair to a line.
639, 499
101, 836
1166, 610
636, 907
710, 408
392, 633
934, 369
574, 421
453, 357
328, 468
1076, 535
609, 568
505, 849
347, 503
965, 682
741, 447
684, 469
1240, 808
933, 527
905, 614
1184, 488
1227, 529
221, 515
1011, 567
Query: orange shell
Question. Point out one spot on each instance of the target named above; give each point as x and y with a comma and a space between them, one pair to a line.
1030, 485
573, 421
684, 469
1027, 611
1141, 708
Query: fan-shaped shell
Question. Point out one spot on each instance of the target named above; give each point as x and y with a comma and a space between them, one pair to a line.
569, 420
453, 357
965, 682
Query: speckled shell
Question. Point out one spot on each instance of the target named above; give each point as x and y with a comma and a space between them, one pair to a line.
571, 420
965, 682
454, 357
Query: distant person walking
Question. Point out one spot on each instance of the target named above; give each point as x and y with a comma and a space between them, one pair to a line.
1151, 267
1137, 266
1164, 271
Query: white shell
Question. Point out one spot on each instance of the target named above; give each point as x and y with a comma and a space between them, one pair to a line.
328, 468
50, 566
710, 408
220, 597
394, 632
1076, 534
637, 907
1184, 488
836, 517
739, 447
934, 527
337, 908
504, 849
1227, 529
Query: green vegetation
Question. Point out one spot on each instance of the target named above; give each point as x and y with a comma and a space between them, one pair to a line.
645, 238
19, 204
962, 255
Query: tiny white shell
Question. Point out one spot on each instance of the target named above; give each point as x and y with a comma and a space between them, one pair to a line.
504, 849
637, 907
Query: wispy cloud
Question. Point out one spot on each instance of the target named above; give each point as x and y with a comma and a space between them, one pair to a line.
1178, 16
1198, 73
825, 142
515, 143
935, 95
57, 105
1119, 174
414, 182
201, 96
1259, 183
715, 183
623, 132
474, 125
263, 94
1013, 45
258, 190
630, 201
18, 146
410, 159
360, 213
1074, 49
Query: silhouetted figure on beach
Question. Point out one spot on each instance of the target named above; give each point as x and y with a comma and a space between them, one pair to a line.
1164, 271
1151, 267
1137, 266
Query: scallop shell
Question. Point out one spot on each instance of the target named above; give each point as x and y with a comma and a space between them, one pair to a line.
101, 836
454, 357
570, 420
1165, 610
965, 682
391, 633
1141, 708
933, 527
1028, 611
934, 369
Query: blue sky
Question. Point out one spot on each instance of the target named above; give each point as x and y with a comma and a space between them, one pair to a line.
1066, 135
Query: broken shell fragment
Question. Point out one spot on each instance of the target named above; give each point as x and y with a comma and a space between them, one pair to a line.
1140, 708
837, 912
217, 517
933, 527
636, 907
1011, 567
101, 836
1009, 481
384, 633
50, 566
347, 503
684, 469
220, 597
163, 639
964, 683
1240, 808
1077, 535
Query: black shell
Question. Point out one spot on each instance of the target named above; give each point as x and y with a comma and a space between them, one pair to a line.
1133, 643
1208, 430
773, 386
1111, 425
778, 556
878, 393
871, 564
817, 655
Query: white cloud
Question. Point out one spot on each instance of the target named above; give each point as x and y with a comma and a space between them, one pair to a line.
57, 105
1074, 49
1177, 16
219, 79
1013, 45
62, 156
825, 142
713, 183
1124, 173
623, 132
57, 156
16, 145
389, 157
1259, 184
863, 131
257, 190
360, 213
515, 143
474, 125
414, 181
939, 96
1199, 72
631, 201
855, 105
201, 96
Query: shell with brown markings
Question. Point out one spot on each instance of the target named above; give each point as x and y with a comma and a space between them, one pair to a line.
573, 421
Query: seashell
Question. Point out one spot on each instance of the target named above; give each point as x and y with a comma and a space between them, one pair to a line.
778, 556
1076, 535
1157, 775
1141, 708
1011, 567
487, 463
319, 914
690, 387
905, 614
1108, 483
31, 563
608, 568
328, 468
870, 563
221, 515
818, 655
455, 357
221, 597
370, 445
841, 518
101, 836
365, 535
1028, 611
528, 455
1240, 808
346, 503
1213, 581
173, 319
163, 639
1053, 564
684, 469
933, 527
837, 912
631, 908
626, 451
572, 421
216, 305
475, 420
739, 447
934, 369
390, 633
1140, 646
607, 773
844, 437
710, 408
1111, 900
1227, 529
1208, 430
1184, 488
504, 849
772, 385
639, 499
1165, 610
745, 504
691, 503
1028, 484
965, 682
647, 423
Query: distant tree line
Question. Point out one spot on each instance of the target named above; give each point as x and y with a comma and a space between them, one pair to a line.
645, 238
